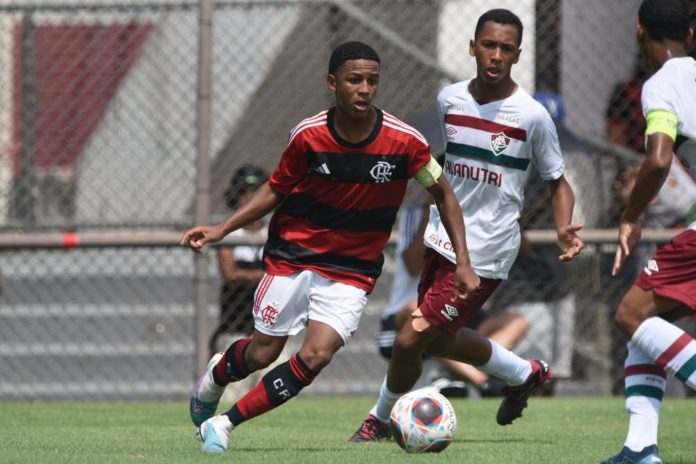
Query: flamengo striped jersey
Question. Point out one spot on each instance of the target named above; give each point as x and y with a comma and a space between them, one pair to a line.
341, 198
489, 152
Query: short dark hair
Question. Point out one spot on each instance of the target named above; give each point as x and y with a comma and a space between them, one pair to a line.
353, 50
665, 19
500, 16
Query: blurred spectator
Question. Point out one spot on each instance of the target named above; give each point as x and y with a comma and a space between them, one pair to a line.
625, 121
240, 266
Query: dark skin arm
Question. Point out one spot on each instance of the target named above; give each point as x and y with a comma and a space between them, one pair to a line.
263, 202
562, 202
650, 178
465, 279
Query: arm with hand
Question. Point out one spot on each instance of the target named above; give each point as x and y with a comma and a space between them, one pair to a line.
651, 176
263, 202
562, 202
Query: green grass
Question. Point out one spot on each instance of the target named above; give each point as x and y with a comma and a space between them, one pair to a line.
308, 430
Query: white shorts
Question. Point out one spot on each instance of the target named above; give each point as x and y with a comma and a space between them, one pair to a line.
284, 304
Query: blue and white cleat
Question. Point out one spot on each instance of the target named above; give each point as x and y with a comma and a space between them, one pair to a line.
648, 455
215, 434
206, 394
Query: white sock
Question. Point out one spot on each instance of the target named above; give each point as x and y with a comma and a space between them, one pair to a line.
506, 365
385, 403
645, 385
669, 347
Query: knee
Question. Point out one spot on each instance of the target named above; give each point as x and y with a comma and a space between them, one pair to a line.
316, 358
627, 319
260, 358
405, 344
521, 324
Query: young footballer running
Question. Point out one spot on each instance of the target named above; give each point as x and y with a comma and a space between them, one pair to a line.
336, 193
496, 132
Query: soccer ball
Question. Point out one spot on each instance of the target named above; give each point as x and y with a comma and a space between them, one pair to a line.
423, 421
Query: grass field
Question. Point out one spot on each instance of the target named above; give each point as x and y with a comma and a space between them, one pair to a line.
308, 430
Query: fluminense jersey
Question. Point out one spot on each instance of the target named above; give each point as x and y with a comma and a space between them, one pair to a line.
404, 285
341, 198
489, 156
673, 88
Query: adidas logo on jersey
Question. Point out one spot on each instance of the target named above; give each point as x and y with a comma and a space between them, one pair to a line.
651, 267
450, 312
323, 169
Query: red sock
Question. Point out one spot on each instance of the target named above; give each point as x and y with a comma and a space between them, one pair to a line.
280, 384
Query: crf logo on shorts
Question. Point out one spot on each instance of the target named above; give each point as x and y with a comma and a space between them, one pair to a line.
269, 314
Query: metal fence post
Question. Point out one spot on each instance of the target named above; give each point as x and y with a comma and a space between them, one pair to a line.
25, 185
202, 201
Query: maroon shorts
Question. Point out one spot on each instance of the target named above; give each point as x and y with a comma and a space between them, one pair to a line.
435, 294
671, 273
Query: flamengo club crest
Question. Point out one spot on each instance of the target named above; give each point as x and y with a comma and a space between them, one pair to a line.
269, 314
382, 172
499, 143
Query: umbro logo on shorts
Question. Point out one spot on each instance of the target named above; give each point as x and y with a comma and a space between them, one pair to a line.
651, 267
450, 312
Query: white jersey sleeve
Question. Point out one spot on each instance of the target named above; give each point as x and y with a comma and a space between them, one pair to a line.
659, 94
546, 150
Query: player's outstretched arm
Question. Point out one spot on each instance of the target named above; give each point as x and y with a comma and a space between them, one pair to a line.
651, 176
563, 201
465, 279
263, 201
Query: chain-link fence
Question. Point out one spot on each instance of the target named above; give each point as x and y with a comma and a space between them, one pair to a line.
101, 128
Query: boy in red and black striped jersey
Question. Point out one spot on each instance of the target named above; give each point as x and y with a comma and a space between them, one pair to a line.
336, 193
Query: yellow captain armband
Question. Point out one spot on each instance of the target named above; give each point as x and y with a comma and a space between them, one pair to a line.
661, 121
428, 175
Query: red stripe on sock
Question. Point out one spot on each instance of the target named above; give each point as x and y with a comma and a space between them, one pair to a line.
301, 371
239, 356
219, 371
255, 402
638, 369
673, 350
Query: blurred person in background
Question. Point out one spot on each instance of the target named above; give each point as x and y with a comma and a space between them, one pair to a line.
240, 266
625, 121
336, 192
665, 291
